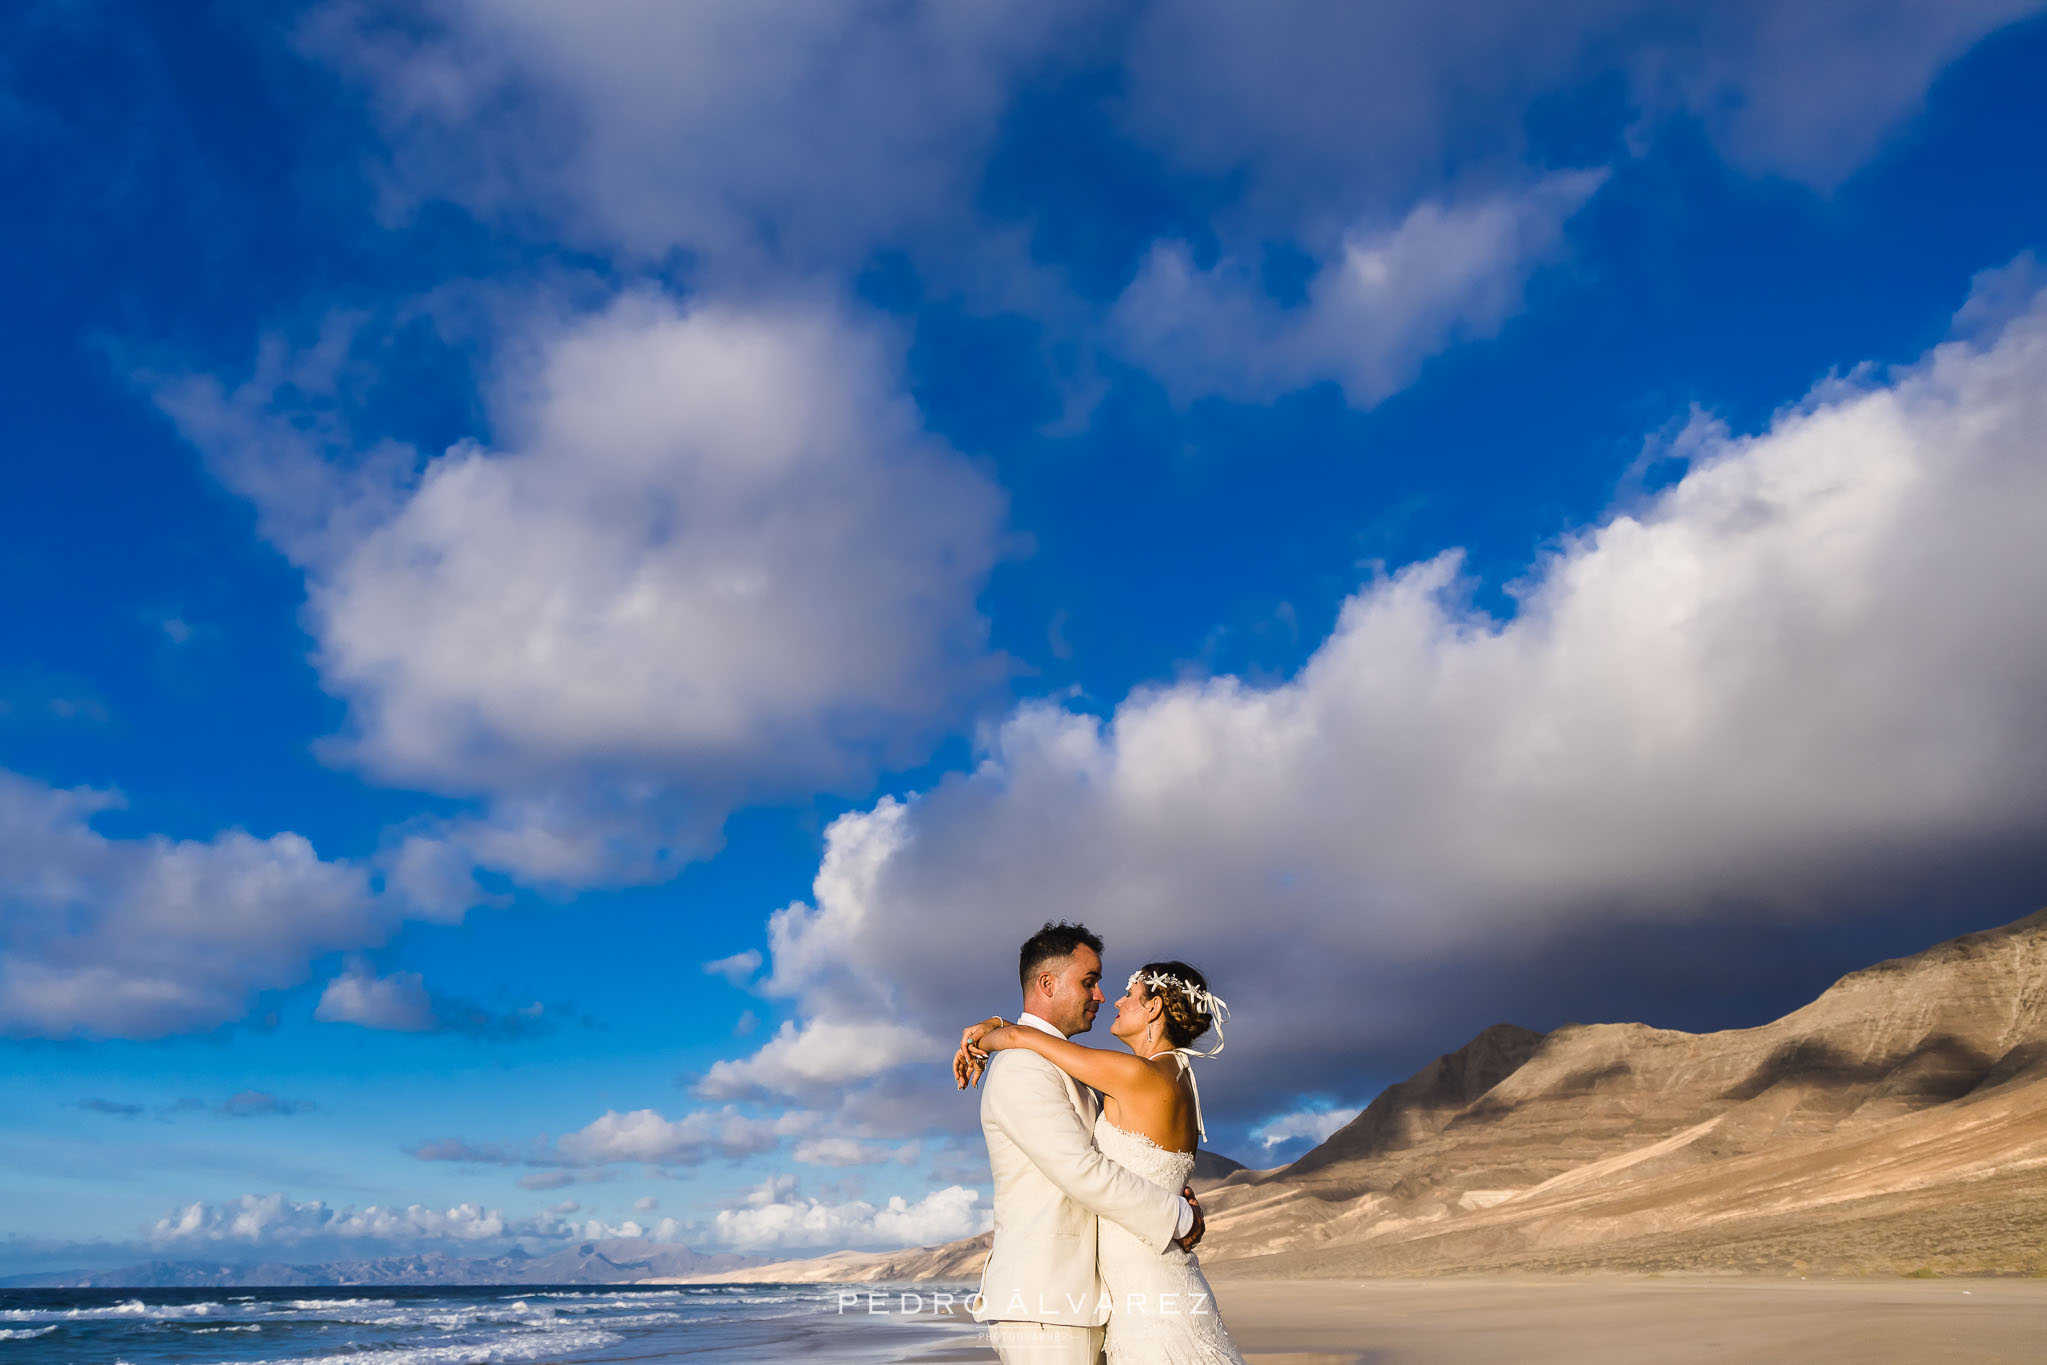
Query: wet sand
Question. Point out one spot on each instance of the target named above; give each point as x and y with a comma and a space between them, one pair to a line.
1629, 1321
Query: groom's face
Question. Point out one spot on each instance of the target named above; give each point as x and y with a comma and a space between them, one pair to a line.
1077, 993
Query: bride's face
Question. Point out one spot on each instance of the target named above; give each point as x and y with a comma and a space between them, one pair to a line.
1134, 1012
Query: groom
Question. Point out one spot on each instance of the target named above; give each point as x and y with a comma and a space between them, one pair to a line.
1040, 1295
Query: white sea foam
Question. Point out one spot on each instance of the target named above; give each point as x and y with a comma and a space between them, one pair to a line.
446, 1318
513, 1348
25, 1333
133, 1309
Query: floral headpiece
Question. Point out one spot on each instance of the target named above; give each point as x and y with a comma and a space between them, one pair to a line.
1205, 1001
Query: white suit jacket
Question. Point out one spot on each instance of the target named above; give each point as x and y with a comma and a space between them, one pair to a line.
1050, 1186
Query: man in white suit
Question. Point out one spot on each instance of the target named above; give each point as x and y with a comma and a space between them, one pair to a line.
1040, 1295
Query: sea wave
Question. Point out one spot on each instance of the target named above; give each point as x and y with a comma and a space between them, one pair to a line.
132, 1309
25, 1333
505, 1351
446, 1318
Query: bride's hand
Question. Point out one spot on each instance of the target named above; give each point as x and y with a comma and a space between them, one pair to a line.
971, 1060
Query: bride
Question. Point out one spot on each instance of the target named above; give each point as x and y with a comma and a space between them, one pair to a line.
1162, 1312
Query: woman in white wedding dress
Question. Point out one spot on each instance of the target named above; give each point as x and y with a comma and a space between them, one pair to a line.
1162, 1312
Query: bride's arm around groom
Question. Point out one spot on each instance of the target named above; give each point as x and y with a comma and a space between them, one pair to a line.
1030, 1104
1051, 1184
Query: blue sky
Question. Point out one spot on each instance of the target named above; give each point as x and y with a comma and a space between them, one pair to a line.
1526, 517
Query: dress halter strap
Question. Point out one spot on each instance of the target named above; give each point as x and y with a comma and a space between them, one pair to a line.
1187, 1070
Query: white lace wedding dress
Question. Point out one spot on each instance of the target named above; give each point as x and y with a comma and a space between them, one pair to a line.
1162, 1312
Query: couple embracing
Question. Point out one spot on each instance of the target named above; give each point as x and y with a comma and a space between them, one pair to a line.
1095, 1224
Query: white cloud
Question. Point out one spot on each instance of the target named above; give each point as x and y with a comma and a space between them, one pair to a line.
715, 560
1327, 107
842, 1151
646, 1203
1802, 675
274, 1224
1313, 1124
398, 1002
738, 968
139, 938
644, 1135
641, 1135
646, 125
1384, 302
433, 875
274, 1220
1811, 91
402, 1003
778, 1218
723, 538
595, 1228
821, 1054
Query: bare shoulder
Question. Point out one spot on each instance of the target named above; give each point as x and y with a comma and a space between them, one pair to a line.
1165, 1073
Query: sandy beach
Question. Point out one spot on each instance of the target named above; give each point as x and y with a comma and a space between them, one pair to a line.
1629, 1321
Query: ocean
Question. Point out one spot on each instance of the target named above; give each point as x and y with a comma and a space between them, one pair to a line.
473, 1325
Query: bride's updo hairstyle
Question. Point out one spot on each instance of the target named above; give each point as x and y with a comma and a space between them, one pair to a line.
1185, 1014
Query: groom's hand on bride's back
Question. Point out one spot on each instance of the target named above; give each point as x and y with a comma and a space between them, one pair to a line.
1193, 1237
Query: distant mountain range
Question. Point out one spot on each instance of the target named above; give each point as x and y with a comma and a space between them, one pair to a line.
1896, 1124
616, 1260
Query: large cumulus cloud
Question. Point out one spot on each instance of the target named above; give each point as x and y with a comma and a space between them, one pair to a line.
1808, 668
711, 556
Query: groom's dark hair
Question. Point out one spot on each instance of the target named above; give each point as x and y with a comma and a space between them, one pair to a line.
1050, 944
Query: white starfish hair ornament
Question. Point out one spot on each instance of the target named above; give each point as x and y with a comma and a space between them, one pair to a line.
1205, 1002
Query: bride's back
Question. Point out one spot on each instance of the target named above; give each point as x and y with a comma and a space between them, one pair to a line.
1163, 1112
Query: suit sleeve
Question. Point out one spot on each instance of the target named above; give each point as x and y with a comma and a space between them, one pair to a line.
1029, 1104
